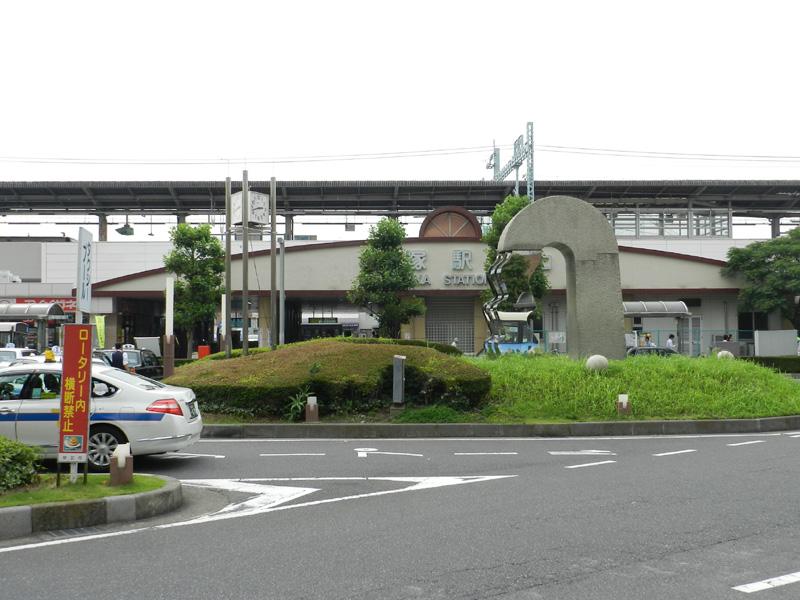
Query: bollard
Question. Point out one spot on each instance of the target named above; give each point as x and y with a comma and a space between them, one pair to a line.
398, 384
399, 380
121, 465
623, 406
312, 410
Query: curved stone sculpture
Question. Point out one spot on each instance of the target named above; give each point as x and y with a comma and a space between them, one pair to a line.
594, 296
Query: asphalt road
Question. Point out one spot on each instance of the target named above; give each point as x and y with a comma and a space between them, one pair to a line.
707, 518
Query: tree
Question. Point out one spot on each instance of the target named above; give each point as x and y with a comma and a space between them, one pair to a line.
198, 261
515, 272
772, 268
385, 276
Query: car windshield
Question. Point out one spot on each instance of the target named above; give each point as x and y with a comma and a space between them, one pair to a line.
134, 379
134, 358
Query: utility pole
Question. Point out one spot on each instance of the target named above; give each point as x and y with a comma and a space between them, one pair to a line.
245, 267
282, 305
228, 233
273, 317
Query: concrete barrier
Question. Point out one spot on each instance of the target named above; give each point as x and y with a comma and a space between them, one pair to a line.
19, 521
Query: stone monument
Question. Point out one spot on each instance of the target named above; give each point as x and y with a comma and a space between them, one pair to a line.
594, 295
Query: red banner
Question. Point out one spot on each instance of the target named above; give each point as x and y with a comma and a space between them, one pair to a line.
76, 378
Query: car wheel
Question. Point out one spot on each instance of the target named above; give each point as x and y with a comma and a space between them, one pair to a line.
103, 439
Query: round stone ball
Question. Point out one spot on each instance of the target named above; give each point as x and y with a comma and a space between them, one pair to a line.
724, 354
597, 362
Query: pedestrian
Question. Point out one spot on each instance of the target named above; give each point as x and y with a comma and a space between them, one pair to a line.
671, 341
117, 358
648, 341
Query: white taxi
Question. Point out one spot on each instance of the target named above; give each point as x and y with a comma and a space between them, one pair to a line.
152, 416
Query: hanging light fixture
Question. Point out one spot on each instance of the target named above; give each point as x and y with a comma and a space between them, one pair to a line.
125, 229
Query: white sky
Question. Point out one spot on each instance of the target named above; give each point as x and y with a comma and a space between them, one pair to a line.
225, 81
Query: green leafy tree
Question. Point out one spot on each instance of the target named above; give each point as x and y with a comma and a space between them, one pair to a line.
772, 269
198, 261
516, 271
384, 279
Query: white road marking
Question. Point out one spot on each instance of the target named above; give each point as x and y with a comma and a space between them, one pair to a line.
297, 454
189, 455
594, 464
795, 435
676, 452
364, 452
494, 439
273, 497
485, 453
766, 584
747, 443
582, 453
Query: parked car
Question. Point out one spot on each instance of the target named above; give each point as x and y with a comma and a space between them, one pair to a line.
9, 355
152, 416
143, 362
651, 350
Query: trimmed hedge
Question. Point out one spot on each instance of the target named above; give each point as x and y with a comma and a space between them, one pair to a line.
236, 353
17, 464
345, 377
785, 364
422, 343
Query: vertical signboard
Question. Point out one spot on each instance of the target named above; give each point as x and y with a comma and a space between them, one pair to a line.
83, 289
76, 377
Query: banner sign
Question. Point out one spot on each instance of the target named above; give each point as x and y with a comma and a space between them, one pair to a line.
76, 377
83, 287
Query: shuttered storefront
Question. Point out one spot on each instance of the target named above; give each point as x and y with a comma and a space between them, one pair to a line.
447, 319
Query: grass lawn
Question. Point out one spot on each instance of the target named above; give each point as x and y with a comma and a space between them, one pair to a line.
528, 389
46, 490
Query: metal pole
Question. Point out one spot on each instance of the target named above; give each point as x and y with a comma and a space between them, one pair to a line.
273, 300
282, 306
228, 233
245, 267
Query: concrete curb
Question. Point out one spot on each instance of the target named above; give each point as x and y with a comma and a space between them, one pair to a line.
479, 430
19, 521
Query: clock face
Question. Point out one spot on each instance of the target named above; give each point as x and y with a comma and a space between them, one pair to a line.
258, 207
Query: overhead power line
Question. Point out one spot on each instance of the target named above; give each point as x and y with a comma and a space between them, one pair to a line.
579, 150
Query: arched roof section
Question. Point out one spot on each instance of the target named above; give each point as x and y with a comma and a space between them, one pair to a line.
451, 222
26, 312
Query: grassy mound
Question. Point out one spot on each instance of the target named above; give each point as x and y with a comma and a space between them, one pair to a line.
545, 388
344, 376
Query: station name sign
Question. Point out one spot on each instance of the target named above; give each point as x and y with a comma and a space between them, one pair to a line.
462, 272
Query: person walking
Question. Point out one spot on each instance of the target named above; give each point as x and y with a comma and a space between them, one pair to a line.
671, 341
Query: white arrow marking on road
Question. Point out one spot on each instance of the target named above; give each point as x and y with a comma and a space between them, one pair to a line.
363, 452
582, 453
760, 586
275, 495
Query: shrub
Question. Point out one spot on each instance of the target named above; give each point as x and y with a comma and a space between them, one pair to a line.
235, 353
345, 377
17, 464
785, 364
422, 343
431, 414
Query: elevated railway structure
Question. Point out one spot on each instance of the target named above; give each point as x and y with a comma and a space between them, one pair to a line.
635, 208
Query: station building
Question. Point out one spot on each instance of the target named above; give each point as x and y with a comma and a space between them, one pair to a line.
659, 261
